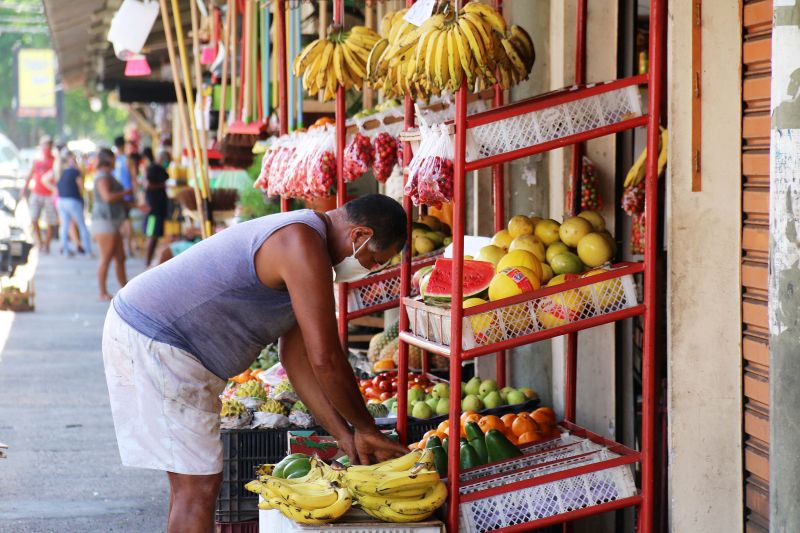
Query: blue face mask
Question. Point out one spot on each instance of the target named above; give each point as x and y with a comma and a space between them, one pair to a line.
350, 268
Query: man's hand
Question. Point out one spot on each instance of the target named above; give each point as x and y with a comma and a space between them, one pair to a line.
347, 444
375, 447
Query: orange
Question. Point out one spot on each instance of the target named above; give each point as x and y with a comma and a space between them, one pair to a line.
471, 416
384, 364
544, 416
524, 424
508, 419
491, 422
529, 437
443, 427
432, 433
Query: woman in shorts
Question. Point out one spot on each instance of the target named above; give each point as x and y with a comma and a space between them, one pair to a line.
108, 215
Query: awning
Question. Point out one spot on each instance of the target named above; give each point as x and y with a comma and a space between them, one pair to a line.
79, 28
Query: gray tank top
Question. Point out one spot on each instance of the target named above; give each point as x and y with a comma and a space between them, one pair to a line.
209, 301
108, 211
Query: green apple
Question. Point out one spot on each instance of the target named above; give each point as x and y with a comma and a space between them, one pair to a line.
443, 407
504, 392
390, 403
441, 390
493, 399
473, 386
487, 386
422, 410
415, 395
515, 397
432, 402
471, 403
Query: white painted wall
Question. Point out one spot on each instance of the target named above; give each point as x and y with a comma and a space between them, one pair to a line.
704, 323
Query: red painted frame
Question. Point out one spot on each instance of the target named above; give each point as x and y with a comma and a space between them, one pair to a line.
651, 119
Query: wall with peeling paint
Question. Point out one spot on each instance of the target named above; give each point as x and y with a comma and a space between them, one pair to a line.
784, 269
703, 232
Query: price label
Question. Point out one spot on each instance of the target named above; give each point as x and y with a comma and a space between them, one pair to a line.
420, 12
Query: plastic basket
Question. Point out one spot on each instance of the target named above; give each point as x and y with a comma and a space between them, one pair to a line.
524, 130
376, 292
244, 450
536, 314
541, 501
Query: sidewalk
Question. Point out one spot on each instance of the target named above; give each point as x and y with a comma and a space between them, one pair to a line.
63, 472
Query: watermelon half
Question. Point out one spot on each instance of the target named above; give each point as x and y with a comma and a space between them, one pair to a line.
439, 287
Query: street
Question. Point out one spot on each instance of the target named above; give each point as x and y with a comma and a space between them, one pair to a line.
63, 471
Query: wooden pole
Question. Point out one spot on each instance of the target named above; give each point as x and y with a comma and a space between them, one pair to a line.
179, 95
187, 87
198, 80
234, 23
223, 89
368, 102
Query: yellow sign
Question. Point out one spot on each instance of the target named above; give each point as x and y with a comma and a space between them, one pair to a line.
36, 83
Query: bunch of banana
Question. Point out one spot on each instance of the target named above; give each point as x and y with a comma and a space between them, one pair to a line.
407, 489
638, 171
473, 46
317, 498
340, 59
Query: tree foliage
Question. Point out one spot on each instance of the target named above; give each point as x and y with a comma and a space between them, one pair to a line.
79, 120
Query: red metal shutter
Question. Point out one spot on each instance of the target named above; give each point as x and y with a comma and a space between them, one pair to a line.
756, 67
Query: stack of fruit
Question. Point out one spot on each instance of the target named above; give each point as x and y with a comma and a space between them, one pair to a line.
477, 446
477, 395
383, 387
407, 489
519, 428
316, 497
473, 46
340, 59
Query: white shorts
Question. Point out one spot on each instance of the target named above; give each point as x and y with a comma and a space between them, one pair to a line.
165, 403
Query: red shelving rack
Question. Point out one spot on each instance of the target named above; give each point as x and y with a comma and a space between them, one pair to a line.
506, 496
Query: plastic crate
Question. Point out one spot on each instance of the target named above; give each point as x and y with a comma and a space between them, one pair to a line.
510, 321
577, 448
250, 526
244, 450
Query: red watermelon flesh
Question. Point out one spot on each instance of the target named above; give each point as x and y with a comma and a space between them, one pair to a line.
477, 276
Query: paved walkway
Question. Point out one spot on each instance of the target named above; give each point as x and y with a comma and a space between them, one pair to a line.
63, 472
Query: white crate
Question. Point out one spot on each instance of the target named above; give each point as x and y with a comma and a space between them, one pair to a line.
354, 521
516, 320
549, 499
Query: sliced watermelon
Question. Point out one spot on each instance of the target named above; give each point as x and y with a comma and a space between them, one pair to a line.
439, 287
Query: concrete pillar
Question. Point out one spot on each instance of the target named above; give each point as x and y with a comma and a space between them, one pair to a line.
703, 233
784, 270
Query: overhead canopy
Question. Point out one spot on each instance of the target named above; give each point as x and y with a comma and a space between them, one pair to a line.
79, 28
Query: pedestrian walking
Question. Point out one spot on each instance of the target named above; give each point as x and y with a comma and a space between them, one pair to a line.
70, 206
124, 172
40, 196
157, 201
175, 333
108, 214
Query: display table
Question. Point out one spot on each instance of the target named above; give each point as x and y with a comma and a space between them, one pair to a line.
355, 521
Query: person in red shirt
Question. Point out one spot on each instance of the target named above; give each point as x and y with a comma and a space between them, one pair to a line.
41, 194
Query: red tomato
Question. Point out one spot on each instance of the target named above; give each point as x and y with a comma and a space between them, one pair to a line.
370, 393
384, 386
385, 396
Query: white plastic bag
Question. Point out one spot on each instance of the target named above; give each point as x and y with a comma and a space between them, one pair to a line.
431, 172
130, 27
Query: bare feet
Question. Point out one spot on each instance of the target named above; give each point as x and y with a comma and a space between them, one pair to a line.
106, 297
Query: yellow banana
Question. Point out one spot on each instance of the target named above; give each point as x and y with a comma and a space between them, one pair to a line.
434, 497
454, 61
338, 66
637, 171
440, 61
307, 55
516, 60
386, 514
372, 59
662, 154
310, 495
476, 46
393, 481
386, 24
353, 63
465, 56
318, 516
425, 41
399, 25
519, 35
430, 55
484, 31
325, 60
489, 14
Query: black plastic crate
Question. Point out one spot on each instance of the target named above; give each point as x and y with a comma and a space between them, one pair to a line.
242, 451
251, 526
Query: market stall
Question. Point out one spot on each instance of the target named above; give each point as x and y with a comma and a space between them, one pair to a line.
492, 453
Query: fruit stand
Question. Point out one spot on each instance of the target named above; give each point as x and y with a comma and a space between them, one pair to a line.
513, 466
579, 483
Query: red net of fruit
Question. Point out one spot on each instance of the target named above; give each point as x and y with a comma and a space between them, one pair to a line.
431, 171
386, 149
590, 192
358, 157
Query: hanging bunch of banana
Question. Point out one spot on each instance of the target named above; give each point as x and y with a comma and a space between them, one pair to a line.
338, 59
637, 172
474, 46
